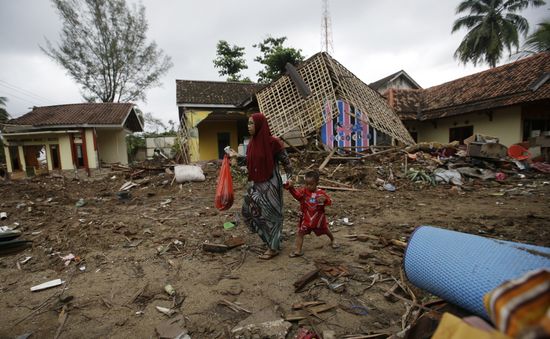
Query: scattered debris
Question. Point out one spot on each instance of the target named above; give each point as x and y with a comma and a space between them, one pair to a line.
46, 285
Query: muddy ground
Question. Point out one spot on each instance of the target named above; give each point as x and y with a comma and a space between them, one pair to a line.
123, 260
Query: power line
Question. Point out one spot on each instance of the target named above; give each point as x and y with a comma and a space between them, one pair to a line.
18, 97
24, 91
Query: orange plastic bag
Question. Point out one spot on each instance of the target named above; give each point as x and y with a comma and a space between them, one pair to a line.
224, 191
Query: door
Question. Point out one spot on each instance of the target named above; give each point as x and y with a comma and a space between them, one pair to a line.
54, 151
223, 140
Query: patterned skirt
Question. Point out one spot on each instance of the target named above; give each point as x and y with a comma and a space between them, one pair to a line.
263, 210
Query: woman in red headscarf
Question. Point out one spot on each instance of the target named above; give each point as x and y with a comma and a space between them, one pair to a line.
263, 203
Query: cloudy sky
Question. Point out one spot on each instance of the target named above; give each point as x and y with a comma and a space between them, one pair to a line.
372, 38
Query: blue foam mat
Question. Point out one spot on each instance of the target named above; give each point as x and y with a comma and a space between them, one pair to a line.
461, 268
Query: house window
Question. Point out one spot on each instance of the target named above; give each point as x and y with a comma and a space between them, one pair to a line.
460, 133
535, 127
79, 155
54, 151
14, 156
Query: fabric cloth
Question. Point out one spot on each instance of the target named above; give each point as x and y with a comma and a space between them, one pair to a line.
262, 208
261, 150
313, 212
522, 303
452, 327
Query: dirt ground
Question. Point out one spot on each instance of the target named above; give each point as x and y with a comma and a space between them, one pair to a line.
127, 251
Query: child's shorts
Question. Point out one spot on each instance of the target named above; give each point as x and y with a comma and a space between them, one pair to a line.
318, 230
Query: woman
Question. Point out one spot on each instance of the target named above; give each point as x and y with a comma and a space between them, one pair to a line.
263, 202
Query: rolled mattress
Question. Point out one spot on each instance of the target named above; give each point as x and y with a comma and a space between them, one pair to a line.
461, 268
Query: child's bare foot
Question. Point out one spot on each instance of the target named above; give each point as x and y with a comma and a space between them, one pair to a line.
295, 254
334, 245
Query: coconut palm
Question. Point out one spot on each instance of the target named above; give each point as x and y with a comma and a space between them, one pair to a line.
539, 40
493, 25
4, 116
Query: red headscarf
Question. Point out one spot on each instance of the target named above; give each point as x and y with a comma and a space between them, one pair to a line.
261, 151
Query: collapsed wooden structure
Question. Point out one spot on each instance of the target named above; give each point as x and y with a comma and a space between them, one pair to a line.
296, 101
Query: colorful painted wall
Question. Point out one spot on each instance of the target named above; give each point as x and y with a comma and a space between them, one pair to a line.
505, 124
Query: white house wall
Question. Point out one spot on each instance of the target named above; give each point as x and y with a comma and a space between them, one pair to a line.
92, 154
505, 124
111, 144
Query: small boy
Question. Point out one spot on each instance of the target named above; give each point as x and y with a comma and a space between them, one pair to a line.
312, 204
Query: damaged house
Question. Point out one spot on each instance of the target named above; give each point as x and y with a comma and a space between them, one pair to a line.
69, 137
319, 96
214, 114
510, 102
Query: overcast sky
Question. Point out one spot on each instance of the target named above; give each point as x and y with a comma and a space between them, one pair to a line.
372, 38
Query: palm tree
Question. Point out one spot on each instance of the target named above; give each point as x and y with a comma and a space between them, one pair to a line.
539, 40
493, 25
4, 116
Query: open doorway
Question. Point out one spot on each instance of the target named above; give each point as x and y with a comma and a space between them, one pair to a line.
223, 140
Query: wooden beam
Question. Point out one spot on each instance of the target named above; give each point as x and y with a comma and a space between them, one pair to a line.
327, 159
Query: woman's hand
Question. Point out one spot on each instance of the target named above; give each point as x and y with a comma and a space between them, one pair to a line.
233, 153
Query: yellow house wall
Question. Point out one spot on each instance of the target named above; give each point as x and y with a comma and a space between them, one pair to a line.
111, 144
208, 137
505, 125
44, 139
193, 118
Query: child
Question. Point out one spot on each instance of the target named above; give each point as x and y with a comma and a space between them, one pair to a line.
312, 204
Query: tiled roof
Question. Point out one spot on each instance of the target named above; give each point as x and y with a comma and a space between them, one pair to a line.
497, 87
191, 92
407, 102
76, 114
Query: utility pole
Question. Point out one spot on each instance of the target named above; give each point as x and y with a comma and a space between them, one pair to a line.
326, 30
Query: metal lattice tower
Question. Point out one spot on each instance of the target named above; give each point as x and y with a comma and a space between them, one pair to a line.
326, 30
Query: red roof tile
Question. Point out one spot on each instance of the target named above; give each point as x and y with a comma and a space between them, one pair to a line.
76, 114
497, 87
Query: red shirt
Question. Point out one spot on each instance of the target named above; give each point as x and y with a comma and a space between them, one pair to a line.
313, 212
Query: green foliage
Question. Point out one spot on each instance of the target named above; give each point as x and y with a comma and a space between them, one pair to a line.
274, 57
539, 41
4, 115
230, 61
493, 26
133, 143
103, 47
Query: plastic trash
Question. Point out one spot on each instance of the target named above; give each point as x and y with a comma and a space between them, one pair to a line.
389, 187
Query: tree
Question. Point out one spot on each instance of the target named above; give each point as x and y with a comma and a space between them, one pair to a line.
493, 25
539, 40
152, 124
4, 115
103, 47
274, 57
230, 61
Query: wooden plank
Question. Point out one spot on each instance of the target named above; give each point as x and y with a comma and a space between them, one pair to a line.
339, 188
305, 279
327, 159
305, 304
335, 182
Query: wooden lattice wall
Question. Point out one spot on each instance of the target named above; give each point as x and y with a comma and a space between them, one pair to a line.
328, 80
